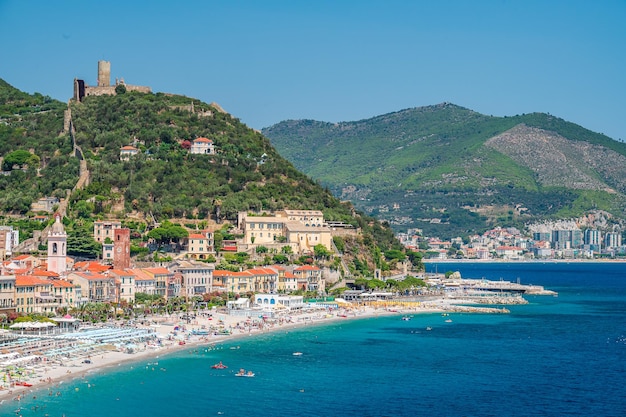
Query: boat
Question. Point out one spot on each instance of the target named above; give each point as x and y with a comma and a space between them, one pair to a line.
406, 318
297, 353
23, 384
219, 365
449, 321
429, 328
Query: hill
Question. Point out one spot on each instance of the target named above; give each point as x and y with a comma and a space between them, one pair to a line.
452, 171
42, 142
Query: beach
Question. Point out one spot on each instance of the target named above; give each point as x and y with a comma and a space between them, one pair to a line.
48, 375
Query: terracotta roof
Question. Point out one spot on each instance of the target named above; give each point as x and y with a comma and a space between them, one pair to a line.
91, 276
91, 266
157, 271
42, 273
121, 272
196, 236
289, 275
203, 140
29, 280
141, 276
128, 148
307, 268
59, 283
19, 258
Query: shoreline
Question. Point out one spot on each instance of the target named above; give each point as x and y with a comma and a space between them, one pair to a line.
54, 375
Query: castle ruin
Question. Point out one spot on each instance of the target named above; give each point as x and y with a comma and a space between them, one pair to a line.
103, 85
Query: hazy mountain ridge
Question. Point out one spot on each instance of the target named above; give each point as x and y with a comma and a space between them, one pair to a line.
434, 166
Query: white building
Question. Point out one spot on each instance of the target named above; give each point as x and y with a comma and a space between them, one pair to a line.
202, 146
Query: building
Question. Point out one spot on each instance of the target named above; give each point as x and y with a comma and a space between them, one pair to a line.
124, 284
300, 229
310, 278
9, 239
94, 286
34, 295
164, 283
121, 243
103, 84
7, 293
202, 146
144, 283
199, 245
45, 204
126, 152
64, 293
105, 229
196, 278
57, 247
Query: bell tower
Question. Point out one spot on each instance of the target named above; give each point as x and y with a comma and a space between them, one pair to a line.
57, 247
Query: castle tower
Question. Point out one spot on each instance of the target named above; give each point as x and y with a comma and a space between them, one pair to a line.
57, 247
104, 73
121, 248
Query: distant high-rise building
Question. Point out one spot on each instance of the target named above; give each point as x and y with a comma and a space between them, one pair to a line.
612, 240
592, 237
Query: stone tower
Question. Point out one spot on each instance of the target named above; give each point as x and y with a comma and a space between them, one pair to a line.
104, 73
121, 248
57, 247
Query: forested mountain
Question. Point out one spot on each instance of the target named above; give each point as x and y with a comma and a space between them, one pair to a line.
164, 180
452, 171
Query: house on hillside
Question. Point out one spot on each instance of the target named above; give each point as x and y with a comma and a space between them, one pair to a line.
202, 146
126, 152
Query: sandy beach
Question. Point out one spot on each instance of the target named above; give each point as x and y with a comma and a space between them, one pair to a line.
47, 376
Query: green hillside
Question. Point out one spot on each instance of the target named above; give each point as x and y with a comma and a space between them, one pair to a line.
438, 167
164, 181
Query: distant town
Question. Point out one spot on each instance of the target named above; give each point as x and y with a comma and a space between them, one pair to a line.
511, 244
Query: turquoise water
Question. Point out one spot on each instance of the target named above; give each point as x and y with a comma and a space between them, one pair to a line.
562, 355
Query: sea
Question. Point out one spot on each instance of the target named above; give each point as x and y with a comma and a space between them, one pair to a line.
556, 356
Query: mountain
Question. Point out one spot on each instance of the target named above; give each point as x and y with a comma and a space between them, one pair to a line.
452, 171
47, 145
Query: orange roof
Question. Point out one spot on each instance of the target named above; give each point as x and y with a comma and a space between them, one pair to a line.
19, 258
42, 273
196, 236
223, 273
59, 283
203, 140
289, 275
121, 272
141, 276
307, 268
156, 271
29, 281
91, 266
91, 276
129, 148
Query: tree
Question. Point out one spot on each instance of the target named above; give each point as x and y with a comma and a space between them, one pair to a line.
120, 89
280, 259
320, 251
19, 157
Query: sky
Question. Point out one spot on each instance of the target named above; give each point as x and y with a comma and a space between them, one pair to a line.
265, 61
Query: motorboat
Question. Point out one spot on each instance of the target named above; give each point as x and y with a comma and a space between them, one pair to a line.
219, 365
297, 353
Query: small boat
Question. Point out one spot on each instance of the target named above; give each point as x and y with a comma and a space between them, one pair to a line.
406, 318
297, 353
429, 328
23, 384
449, 321
219, 365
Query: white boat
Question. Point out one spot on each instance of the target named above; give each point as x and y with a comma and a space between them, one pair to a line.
297, 353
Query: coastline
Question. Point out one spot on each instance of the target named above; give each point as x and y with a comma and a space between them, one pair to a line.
51, 376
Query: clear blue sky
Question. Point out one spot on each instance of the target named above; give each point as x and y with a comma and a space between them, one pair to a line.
265, 61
